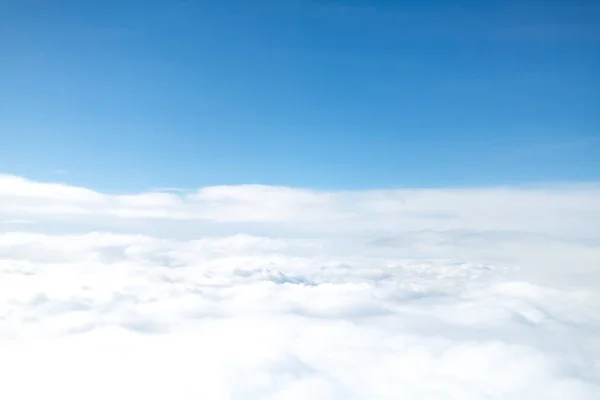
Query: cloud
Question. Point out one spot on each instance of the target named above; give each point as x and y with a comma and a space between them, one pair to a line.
535, 209
17, 187
257, 292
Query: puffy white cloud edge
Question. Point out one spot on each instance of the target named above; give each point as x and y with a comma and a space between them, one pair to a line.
256, 292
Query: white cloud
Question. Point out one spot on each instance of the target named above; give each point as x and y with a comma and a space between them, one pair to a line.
14, 186
257, 292
567, 211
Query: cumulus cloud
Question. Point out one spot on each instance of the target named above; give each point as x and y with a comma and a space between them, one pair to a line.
255, 292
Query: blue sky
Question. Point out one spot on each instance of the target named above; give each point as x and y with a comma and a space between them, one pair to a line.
130, 95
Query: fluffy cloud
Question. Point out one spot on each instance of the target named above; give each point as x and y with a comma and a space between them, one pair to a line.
538, 209
257, 292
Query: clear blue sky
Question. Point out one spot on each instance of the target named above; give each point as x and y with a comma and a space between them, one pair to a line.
135, 94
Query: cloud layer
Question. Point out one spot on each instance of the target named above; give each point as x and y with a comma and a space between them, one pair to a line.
254, 292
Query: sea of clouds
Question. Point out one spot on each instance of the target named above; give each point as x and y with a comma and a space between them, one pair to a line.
257, 292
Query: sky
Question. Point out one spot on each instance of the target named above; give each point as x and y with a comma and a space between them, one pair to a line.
125, 96
299, 199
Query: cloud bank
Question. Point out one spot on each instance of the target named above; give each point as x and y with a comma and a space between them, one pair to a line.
256, 292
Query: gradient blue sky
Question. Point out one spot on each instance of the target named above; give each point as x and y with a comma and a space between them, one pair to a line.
135, 94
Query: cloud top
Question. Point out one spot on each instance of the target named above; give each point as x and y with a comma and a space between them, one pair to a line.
257, 292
